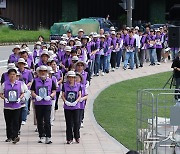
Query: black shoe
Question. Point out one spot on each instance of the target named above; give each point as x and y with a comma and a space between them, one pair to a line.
69, 142
15, 140
141, 66
8, 140
19, 132
77, 140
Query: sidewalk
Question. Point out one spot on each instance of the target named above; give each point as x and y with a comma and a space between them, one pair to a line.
94, 140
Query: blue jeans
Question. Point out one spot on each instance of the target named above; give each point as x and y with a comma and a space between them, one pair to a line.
118, 58
152, 53
91, 67
103, 63
97, 64
25, 111
107, 62
129, 56
136, 58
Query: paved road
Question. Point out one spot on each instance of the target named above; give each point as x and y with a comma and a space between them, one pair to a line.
5, 51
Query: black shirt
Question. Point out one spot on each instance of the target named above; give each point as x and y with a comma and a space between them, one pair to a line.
176, 63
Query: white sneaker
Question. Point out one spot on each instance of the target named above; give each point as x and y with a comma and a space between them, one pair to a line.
48, 140
102, 73
158, 63
41, 140
117, 67
52, 123
23, 122
165, 60
113, 69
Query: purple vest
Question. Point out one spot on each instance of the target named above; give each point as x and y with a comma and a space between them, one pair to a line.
83, 93
66, 61
151, 38
75, 90
8, 87
130, 42
48, 85
108, 43
26, 76
159, 39
58, 76
35, 53
95, 45
124, 37
13, 58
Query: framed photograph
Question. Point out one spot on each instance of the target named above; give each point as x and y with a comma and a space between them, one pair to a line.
71, 96
2, 4
43, 91
12, 96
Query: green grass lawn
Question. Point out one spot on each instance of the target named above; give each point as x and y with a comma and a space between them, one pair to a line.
115, 107
9, 35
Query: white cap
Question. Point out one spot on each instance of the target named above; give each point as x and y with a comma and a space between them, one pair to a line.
18, 73
67, 48
11, 65
16, 47
53, 41
64, 36
127, 28
112, 28
80, 30
158, 30
95, 35
27, 49
21, 60
81, 62
76, 38
113, 33
137, 28
78, 44
75, 58
45, 53
71, 73
42, 68
63, 43
38, 43
102, 36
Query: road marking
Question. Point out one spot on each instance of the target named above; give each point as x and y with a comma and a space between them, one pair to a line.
2, 61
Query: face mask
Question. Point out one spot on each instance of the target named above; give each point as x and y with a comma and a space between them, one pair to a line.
38, 47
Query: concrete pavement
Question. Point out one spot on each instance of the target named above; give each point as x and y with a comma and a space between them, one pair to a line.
94, 140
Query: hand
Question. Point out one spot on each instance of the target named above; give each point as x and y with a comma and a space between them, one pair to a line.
47, 98
23, 99
19, 100
74, 103
38, 98
6, 100
67, 103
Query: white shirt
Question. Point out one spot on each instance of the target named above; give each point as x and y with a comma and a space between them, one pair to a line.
136, 36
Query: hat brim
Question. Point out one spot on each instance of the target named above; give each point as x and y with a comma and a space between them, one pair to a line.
81, 63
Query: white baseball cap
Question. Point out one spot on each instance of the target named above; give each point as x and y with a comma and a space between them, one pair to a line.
71, 73
67, 48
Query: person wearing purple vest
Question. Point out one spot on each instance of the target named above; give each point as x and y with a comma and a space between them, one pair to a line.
119, 45
37, 52
66, 59
143, 45
13, 58
107, 52
43, 59
130, 45
26, 77
159, 41
95, 46
84, 97
12, 92
59, 76
80, 67
102, 53
71, 94
43, 90
113, 53
24, 54
151, 46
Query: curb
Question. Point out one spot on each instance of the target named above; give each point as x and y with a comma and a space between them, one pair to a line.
14, 43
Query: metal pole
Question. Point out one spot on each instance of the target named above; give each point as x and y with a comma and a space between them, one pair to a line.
129, 13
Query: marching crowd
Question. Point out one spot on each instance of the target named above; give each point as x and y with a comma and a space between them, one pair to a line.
65, 68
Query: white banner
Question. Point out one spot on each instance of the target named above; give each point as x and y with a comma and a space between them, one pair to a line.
2, 3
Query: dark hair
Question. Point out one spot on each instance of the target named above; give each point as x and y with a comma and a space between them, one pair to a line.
41, 37
132, 152
24, 44
73, 51
53, 61
12, 70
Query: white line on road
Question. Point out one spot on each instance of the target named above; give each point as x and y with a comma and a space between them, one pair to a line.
2, 61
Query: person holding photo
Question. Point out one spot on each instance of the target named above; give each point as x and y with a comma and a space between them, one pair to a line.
12, 92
